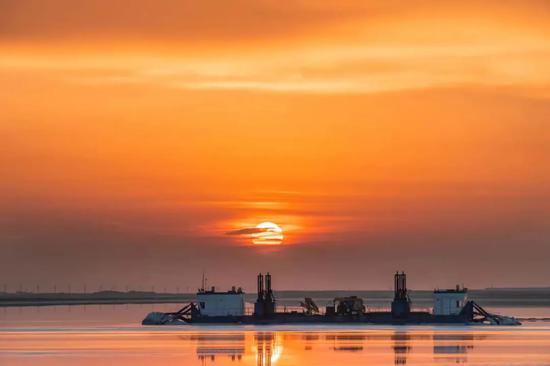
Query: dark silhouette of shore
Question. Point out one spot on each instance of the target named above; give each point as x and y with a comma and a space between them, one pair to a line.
502, 297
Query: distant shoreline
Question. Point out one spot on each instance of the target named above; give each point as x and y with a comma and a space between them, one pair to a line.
89, 302
510, 297
102, 297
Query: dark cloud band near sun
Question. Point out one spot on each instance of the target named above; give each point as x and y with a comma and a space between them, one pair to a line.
246, 231
265, 233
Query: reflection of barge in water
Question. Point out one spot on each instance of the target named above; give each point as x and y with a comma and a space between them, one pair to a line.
211, 307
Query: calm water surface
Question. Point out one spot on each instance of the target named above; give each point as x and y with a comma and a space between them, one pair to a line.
111, 334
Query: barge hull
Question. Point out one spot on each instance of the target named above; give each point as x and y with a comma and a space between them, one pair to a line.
369, 318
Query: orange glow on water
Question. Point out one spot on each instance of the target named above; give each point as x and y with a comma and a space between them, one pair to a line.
282, 348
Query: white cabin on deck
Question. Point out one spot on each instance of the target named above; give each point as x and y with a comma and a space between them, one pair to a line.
212, 303
449, 302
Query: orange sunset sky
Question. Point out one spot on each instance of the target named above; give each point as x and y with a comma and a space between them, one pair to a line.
137, 136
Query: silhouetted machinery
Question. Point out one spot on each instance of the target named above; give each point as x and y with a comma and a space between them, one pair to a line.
310, 307
350, 305
401, 304
265, 304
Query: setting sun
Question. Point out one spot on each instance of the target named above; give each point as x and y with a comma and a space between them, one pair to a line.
270, 234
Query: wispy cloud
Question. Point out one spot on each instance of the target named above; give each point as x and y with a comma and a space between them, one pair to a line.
247, 231
375, 58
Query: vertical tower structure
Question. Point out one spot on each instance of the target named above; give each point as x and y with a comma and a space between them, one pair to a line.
260, 287
401, 304
269, 307
265, 303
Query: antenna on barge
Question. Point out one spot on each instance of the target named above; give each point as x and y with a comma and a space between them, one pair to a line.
203, 282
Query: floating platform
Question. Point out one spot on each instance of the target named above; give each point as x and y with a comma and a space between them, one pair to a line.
450, 307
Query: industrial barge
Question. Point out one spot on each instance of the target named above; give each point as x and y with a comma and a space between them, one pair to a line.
450, 306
